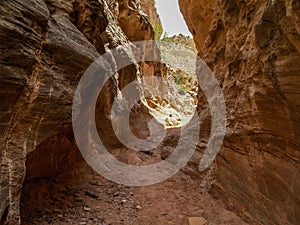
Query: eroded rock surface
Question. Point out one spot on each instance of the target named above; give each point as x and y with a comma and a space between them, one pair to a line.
45, 48
253, 49
149, 7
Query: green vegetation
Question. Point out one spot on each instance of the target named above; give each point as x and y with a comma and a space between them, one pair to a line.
167, 38
158, 29
179, 79
183, 81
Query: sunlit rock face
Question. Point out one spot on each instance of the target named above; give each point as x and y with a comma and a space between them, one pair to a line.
175, 105
134, 22
149, 7
254, 50
170, 105
198, 16
46, 46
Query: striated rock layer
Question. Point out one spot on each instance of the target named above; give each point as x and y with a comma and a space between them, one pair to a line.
149, 7
253, 47
46, 46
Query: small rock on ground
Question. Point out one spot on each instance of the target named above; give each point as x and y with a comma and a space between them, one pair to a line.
197, 221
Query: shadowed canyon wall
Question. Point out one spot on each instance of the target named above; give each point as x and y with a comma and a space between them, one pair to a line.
46, 46
253, 47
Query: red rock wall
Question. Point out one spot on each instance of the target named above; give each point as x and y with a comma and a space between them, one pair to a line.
254, 50
46, 46
149, 7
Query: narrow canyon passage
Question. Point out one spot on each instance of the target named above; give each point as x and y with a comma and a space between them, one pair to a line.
219, 107
72, 193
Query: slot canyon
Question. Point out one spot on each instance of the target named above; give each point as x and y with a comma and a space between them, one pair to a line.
251, 47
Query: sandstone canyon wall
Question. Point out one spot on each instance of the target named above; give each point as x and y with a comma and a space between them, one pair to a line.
149, 7
45, 48
253, 47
